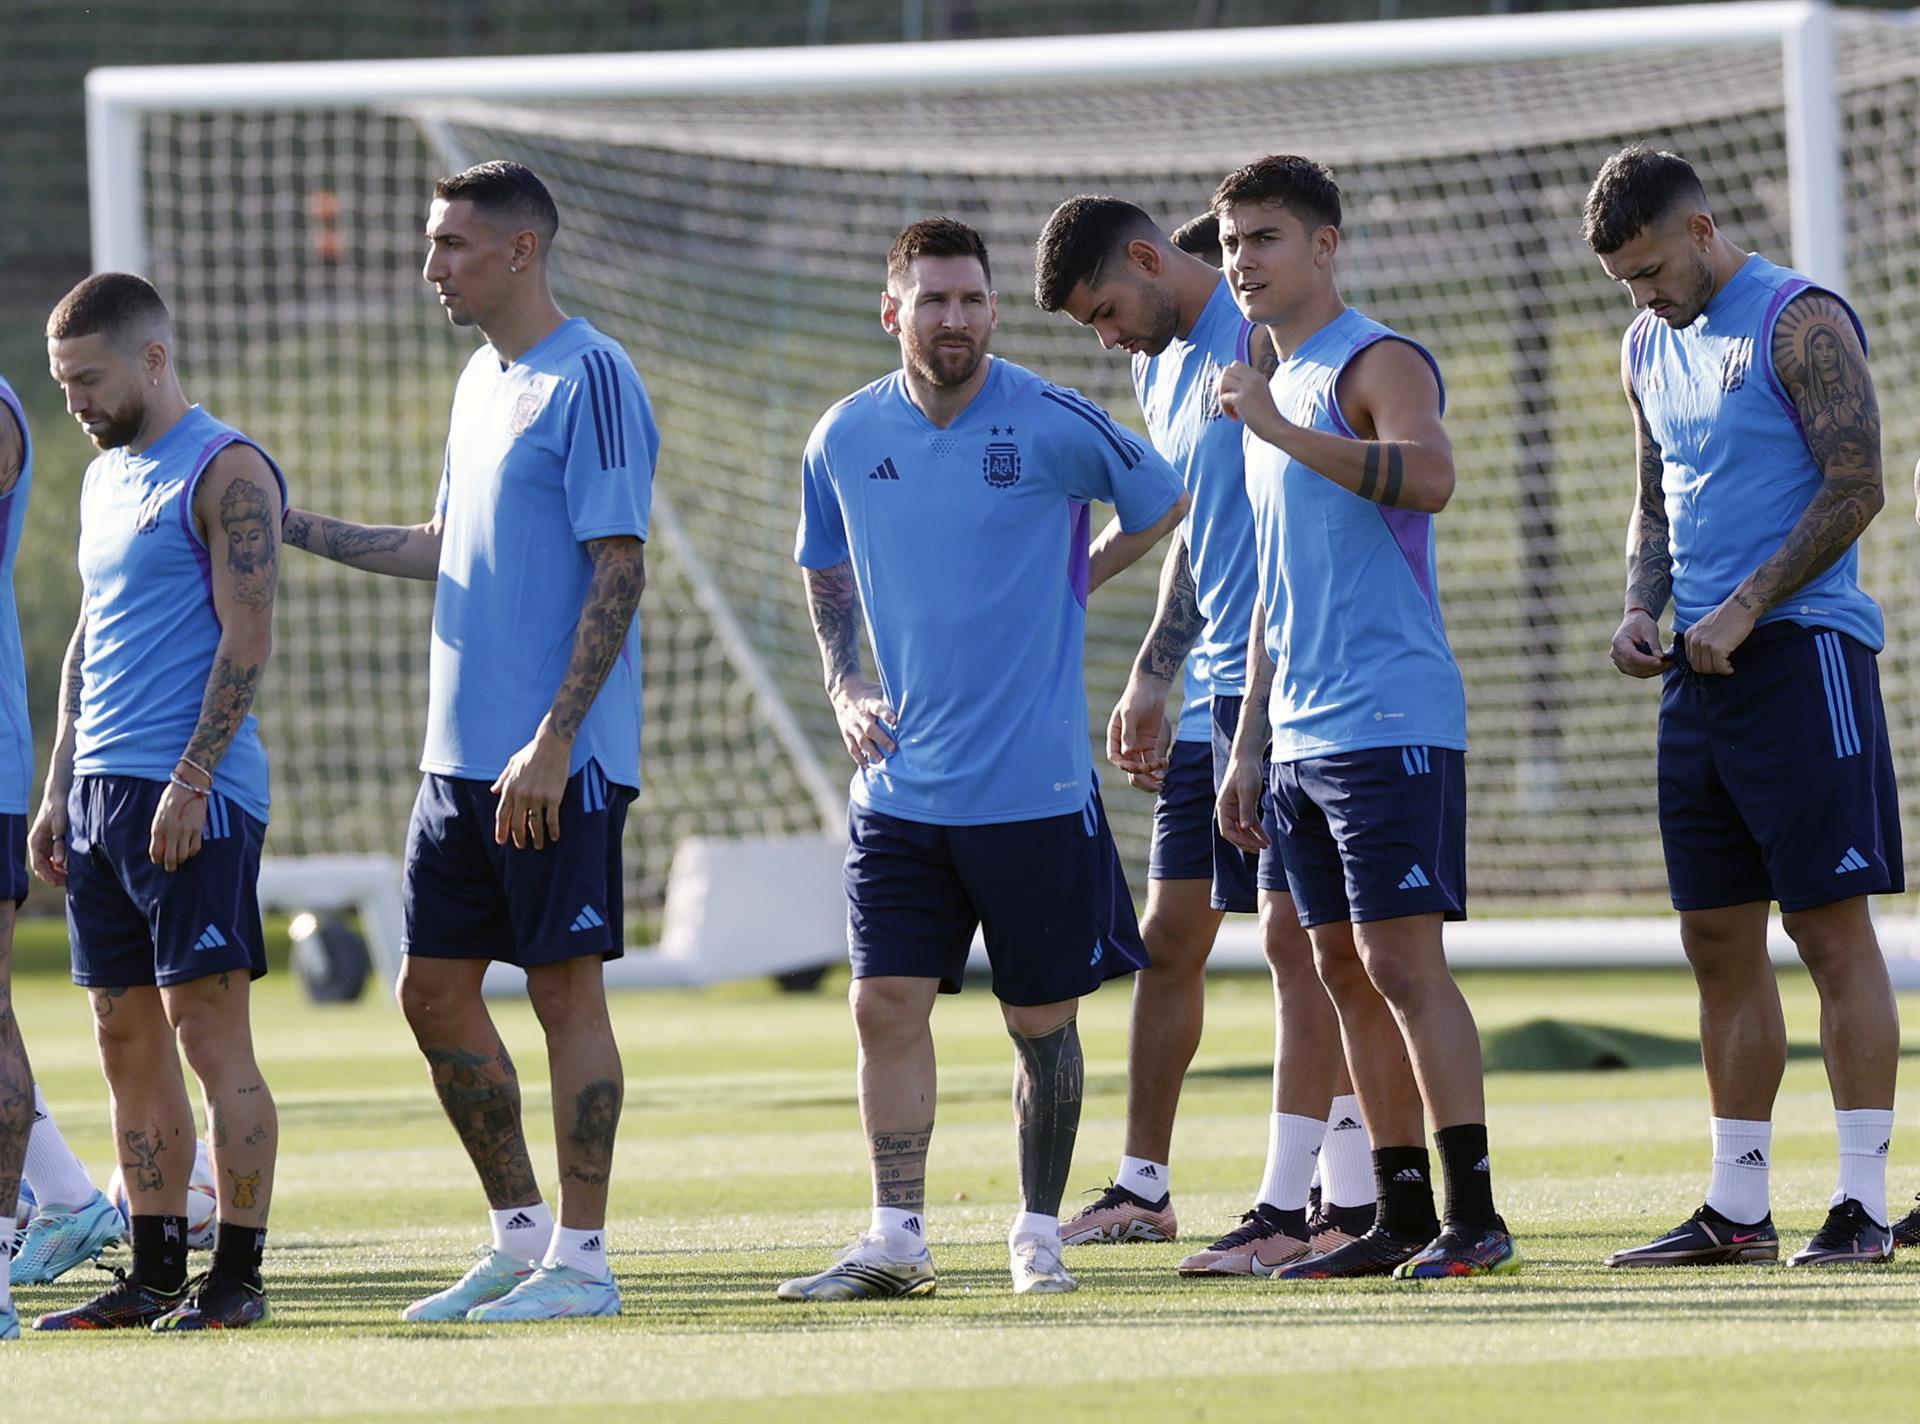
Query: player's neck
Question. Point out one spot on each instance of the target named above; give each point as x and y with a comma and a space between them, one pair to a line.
1294, 329
1194, 283
523, 326
167, 408
1726, 259
942, 404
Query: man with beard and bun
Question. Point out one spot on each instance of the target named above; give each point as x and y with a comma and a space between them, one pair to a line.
948, 502
1353, 688
1758, 443
538, 548
1106, 264
155, 805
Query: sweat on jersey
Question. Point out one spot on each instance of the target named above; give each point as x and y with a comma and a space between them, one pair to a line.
16, 748
1353, 603
146, 591
543, 454
1735, 466
969, 546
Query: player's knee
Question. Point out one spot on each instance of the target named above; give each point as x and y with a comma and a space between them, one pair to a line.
564, 997
1038, 1020
885, 1013
1289, 952
1173, 948
215, 1044
1337, 962
1832, 948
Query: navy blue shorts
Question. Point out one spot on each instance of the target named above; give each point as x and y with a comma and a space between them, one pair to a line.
1237, 874
465, 897
132, 923
1374, 834
1049, 895
1776, 781
1183, 833
13, 866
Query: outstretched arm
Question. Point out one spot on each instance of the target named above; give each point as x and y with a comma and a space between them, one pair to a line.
860, 706
400, 550
1636, 642
1820, 361
531, 788
1133, 731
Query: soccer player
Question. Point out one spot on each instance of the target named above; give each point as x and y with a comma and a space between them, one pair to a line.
948, 503
1106, 264
1351, 675
538, 544
155, 804
1758, 444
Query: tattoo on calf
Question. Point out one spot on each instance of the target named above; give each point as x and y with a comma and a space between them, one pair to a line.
899, 1160
596, 1118
485, 1111
1049, 1082
145, 1168
246, 1188
16, 1086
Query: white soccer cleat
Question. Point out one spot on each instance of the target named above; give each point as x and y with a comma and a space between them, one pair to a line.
492, 1276
1037, 1268
866, 1270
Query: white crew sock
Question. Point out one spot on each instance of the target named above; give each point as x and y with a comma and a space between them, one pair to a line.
58, 1178
902, 1231
6, 1262
523, 1232
585, 1250
1147, 1180
1865, 1135
1346, 1156
1032, 1223
1293, 1144
1742, 1155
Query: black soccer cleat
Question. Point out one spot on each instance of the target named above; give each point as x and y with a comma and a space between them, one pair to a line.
216, 1301
1849, 1238
125, 1305
1376, 1253
1906, 1231
1706, 1239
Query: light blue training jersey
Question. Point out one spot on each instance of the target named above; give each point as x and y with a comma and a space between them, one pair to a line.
1196, 706
146, 589
1179, 393
16, 751
1736, 469
1353, 607
969, 546
544, 454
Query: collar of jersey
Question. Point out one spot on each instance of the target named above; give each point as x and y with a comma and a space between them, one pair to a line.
1726, 294
526, 357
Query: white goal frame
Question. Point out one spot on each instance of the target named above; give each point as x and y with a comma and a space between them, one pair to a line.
118, 99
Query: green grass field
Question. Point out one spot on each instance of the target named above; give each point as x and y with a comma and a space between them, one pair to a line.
740, 1164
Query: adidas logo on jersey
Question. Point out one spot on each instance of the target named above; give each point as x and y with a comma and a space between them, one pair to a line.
587, 919
519, 1221
1752, 1157
1415, 879
210, 938
1850, 862
1346, 1124
1409, 1174
884, 470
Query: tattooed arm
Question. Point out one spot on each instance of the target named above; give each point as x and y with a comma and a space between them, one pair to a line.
860, 705
1389, 394
531, 787
1819, 359
1238, 807
402, 551
1134, 732
47, 841
237, 510
1636, 643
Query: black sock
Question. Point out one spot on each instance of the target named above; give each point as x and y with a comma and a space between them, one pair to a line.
1463, 1162
1292, 1221
160, 1253
237, 1251
1403, 1177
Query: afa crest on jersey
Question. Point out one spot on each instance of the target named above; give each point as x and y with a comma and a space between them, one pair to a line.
1002, 463
524, 410
1733, 369
152, 505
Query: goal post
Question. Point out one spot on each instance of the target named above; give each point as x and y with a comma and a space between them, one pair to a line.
725, 214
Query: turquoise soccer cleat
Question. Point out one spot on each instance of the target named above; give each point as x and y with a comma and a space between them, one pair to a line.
552, 1293
493, 1276
56, 1242
9, 1323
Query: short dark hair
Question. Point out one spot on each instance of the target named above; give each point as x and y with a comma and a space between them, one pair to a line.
936, 237
1201, 237
510, 190
118, 304
1304, 188
1635, 189
1079, 239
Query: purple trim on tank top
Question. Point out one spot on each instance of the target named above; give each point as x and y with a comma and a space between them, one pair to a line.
1407, 526
1079, 560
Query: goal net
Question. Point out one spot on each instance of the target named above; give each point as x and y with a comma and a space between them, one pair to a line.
734, 241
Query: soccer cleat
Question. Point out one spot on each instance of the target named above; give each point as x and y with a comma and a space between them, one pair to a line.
216, 1301
1331, 1227
1375, 1252
125, 1305
553, 1293
9, 1323
865, 1271
1037, 1268
1906, 1231
56, 1242
1120, 1216
1463, 1251
491, 1277
1705, 1239
1258, 1246
1848, 1238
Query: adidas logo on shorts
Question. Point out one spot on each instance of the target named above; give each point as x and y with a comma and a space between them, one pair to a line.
1415, 879
587, 919
210, 938
1850, 862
